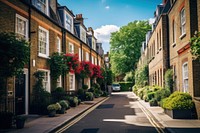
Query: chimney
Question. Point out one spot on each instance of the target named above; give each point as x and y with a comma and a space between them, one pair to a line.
164, 2
79, 18
91, 30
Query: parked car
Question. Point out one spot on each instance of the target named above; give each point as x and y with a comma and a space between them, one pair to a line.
116, 87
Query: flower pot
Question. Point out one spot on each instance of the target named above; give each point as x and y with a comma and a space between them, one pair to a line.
52, 113
20, 123
179, 113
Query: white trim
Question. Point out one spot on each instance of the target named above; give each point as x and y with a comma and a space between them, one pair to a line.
183, 23
58, 44
72, 46
73, 84
26, 25
59, 84
79, 54
47, 43
72, 21
185, 78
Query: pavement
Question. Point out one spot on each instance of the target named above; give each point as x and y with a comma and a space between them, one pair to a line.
45, 124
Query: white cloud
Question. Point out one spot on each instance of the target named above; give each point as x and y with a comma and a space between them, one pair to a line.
151, 20
107, 7
103, 33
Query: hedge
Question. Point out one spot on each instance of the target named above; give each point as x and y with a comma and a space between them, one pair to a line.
126, 86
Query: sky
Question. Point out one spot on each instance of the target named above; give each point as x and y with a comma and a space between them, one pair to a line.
107, 16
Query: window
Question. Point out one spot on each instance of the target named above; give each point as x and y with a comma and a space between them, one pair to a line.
99, 63
59, 82
182, 16
21, 26
71, 81
42, 5
157, 42
93, 44
58, 45
46, 80
83, 34
95, 61
43, 42
68, 23
185, 77
92, 60
71, 48
79, 53
87, 56
160, 39
173, 32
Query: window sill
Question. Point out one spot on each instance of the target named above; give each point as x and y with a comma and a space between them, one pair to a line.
43, 56
160, 48
157, 51
173, 44
182, 36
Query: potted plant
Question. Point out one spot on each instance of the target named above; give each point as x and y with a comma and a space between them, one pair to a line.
20, 121
64, 106
52, 108
179, 105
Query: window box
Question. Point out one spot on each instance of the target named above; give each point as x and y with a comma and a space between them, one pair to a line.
180, 113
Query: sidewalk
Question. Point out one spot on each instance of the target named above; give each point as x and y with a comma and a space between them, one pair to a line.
172, 125
47, 124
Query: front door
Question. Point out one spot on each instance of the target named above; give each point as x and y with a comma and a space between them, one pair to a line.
20, 85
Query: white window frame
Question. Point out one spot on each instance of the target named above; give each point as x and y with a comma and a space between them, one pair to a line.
99, 63
58, 44
47, 43
82, 34
69, 22
92, 60
79, 53
185, 77
59, 82
87, 56
71, 47
174, 32
47, 88
26, 26
183, 21
95, 61
46, 5
72, 86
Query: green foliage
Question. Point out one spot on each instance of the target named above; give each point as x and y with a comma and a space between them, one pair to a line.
195, 45
85, 87
39, 94
125, 86
64, 104
58, 94
125, 46
14, 54
135, 89
73, 101
57, 65
178, 100
108, 76
130, 76
153, 102
161, 94
141, 76
169, 80
89, 96
55, 107
81, 94
96, 86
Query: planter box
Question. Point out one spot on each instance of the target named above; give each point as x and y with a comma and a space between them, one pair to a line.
179, 114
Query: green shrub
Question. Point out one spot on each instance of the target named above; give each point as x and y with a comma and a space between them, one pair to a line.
161, 94
150, 95
85, 87
178, 100
55, 107
156, 88
135, 89
81, 94
169, 80
105, 94
96, 86
64, 104
153, 102
125, 86
89, 96
91, 89
73, 101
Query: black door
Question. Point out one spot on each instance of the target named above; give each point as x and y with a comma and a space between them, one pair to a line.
20, 94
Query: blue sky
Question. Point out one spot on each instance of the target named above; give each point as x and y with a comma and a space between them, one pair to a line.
106, 16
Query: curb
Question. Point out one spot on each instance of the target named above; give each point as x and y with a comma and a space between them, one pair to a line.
76, 116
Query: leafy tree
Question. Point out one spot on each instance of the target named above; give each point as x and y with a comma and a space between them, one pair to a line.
14, 54
195, 45
129, 77
125, 46
141, 76
169, 80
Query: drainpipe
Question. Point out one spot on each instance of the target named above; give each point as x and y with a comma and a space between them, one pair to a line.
64, 51
29, 64
81, 51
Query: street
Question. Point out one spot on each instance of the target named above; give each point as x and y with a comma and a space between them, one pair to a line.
118, 114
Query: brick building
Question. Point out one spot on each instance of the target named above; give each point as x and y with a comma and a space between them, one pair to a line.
50, 28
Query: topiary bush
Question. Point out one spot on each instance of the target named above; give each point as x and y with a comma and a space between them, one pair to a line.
89, 96
85, 87
58, 94
135, 89
150, 95
161, 94
178, 100
125, 86
73, 101
81, 94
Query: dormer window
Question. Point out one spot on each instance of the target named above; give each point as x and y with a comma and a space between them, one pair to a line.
93, 44
68, 22
42, 5
83, 34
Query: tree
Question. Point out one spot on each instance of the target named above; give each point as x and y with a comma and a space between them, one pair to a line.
141, 76
125, 46
14, 55
195, 45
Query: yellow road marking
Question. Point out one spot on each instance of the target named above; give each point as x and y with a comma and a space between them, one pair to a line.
80, 117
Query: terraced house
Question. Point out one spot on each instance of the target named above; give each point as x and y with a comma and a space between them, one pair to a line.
176, 22
50, 28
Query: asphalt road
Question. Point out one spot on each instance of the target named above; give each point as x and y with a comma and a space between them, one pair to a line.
118, 114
